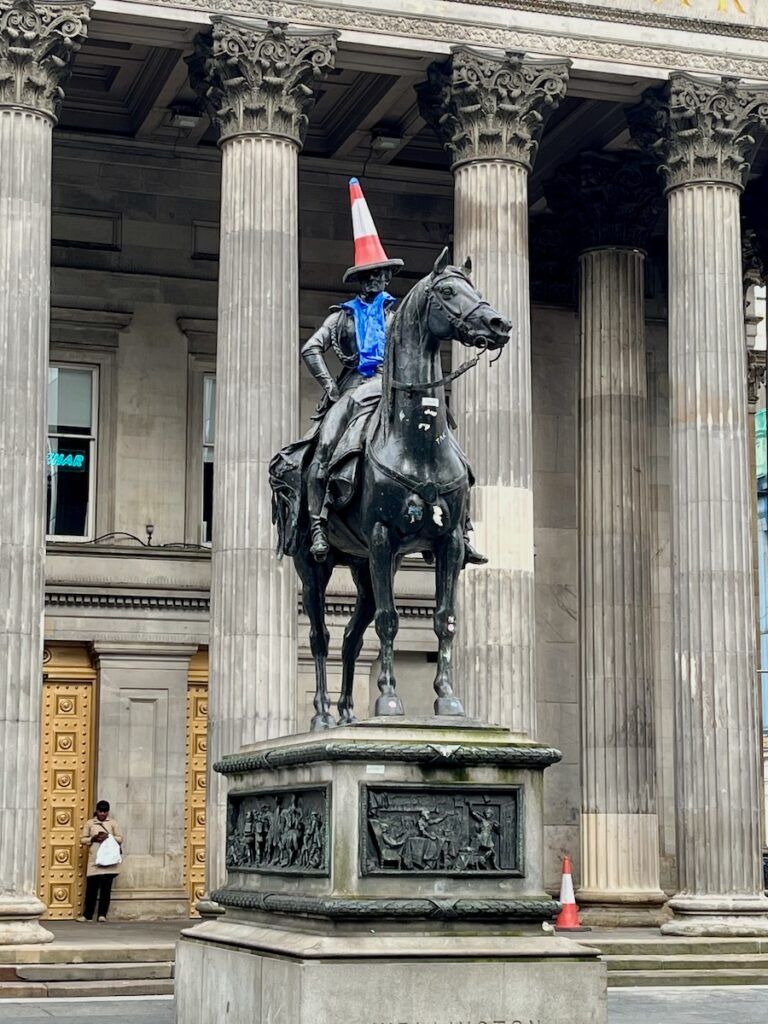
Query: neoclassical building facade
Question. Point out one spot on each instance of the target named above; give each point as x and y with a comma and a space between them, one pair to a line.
174, 223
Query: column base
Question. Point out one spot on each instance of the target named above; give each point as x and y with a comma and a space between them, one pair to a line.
606, 909
19, 921
718, 916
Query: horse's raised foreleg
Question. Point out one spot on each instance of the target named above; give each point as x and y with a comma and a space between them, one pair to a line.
382, 562
362, 616
449, 560
315, 577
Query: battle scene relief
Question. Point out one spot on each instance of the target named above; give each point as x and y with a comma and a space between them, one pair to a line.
279, 832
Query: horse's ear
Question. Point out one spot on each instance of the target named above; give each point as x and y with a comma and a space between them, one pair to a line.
467, 266
441, 262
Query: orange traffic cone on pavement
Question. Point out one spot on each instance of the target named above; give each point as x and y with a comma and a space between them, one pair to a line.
568, 918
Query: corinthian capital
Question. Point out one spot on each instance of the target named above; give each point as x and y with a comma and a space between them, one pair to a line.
491, 106
37, 43
607, 199
260, 79
700, 129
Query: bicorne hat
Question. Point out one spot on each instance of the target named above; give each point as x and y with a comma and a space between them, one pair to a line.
369, 252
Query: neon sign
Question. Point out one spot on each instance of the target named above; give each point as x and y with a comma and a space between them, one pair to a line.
66, 460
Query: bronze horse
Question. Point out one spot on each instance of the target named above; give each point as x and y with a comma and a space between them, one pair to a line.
409, 494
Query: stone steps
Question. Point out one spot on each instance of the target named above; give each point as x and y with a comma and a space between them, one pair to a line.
68, 980
662, 978
73, 989
660, 961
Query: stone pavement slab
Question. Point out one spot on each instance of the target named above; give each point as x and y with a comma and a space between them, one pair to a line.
717, 1005
735, 1005
159, 1010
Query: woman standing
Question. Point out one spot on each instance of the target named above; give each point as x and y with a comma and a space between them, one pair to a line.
98, 882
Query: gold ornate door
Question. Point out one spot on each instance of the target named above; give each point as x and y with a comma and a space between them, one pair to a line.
66, 776
197, 757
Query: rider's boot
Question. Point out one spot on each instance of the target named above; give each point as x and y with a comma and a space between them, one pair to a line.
319, 547
471, 555
318, 524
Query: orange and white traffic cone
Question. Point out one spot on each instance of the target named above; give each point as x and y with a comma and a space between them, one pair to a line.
568, 918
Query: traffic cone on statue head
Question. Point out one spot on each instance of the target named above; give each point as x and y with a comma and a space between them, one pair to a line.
369, 252
568, 918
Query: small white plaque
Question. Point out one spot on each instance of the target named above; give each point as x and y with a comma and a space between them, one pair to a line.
374, 769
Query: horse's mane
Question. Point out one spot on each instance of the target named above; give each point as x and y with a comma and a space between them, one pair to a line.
406, 315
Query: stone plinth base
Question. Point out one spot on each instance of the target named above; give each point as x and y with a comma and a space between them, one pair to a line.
719, 917
20, 921
250, 974
387, 872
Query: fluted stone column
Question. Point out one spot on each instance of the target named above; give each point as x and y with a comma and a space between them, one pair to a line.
489, 111
702, 134
37, 42
259, 84
609, 205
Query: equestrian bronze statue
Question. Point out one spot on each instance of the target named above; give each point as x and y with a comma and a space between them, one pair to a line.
397, 482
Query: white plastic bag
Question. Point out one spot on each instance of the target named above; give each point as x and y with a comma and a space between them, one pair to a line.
108, 854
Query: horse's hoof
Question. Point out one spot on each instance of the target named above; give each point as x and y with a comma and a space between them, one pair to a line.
389, 705
449, 706
322, 721
347, 718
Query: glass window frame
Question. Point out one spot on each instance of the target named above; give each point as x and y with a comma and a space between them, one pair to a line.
92, 438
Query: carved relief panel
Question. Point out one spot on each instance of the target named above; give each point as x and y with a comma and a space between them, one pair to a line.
279, 831
196, 762
66, 774
447, 830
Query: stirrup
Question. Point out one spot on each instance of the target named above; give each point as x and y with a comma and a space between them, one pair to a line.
319, 547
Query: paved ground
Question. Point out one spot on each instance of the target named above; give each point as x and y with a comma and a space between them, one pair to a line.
723, 1005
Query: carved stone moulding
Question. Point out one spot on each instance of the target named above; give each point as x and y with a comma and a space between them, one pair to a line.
261, 79
484, 105
756, 372
607, 199
701, 130
433, 909
37, 42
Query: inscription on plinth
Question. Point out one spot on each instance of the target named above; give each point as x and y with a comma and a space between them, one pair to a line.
449, 830
279, 831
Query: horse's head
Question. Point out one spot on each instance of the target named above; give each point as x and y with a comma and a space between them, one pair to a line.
458, 310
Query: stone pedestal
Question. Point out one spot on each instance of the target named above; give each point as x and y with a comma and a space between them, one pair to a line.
489, 110
259, 83
386, 873
36, 45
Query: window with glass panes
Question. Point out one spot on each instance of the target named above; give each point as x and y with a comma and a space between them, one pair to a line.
71, 456
209, 421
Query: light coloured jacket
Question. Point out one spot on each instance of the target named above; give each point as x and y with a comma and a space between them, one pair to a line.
91, 828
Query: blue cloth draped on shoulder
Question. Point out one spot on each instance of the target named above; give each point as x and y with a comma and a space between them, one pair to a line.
371, 330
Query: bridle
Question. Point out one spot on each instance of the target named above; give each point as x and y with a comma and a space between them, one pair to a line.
458, 322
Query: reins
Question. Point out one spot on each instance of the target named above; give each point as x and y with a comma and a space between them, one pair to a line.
458, 322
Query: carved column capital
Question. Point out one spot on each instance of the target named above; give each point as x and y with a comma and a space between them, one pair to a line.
756, 368
699, 129
37, 43
607, 199
754, 231
260, 78
491, 106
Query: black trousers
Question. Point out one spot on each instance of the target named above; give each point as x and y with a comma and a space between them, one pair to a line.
97, 887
